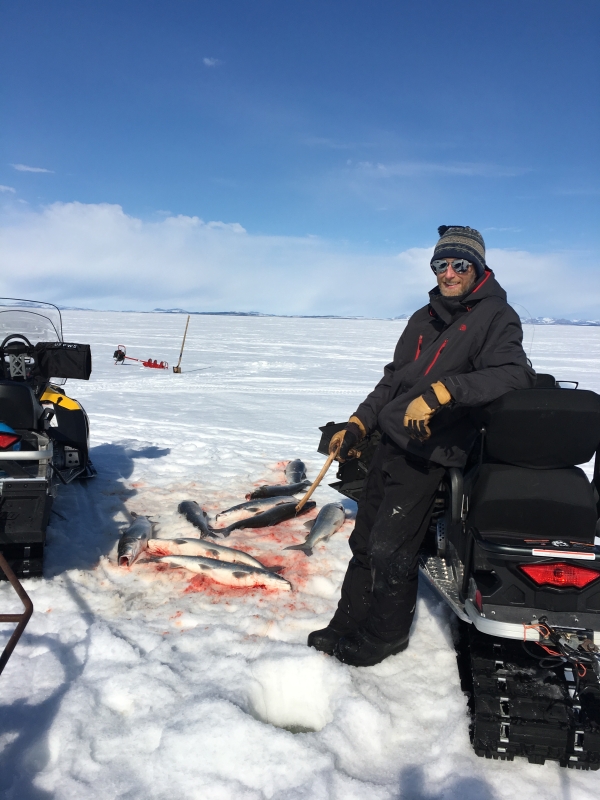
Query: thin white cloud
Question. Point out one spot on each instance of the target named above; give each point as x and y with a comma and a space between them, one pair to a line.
7, 189
98, 256
333, 144
411, 169
25, 168
211, 62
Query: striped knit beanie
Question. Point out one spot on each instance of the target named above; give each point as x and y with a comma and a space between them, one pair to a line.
457, 241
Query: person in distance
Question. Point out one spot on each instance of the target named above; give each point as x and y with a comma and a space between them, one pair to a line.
463, 349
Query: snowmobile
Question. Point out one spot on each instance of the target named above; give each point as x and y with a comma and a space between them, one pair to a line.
43, 432
514, 549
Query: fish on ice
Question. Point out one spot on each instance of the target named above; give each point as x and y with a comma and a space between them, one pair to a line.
200, 547
197, 516
278, 490
227, 573
133, 541
295, 471
272, 516
329, 520
252, 508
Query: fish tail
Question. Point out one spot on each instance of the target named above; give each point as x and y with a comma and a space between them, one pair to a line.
303, 547
221, 533
215, 534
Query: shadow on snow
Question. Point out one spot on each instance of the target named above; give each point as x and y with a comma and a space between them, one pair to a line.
84, 527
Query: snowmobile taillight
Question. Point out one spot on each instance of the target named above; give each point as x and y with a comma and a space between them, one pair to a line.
564, 576
8, 438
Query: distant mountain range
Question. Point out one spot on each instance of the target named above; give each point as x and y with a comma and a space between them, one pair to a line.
527, 321
253, 314
593, 323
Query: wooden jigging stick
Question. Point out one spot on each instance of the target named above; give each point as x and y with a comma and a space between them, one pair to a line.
178, 367
318, 479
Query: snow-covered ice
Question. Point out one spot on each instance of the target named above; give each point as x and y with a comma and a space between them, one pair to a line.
150, 682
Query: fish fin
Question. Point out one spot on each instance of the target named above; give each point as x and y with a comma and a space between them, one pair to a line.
239, 574
307, 550
308, 524
274, 569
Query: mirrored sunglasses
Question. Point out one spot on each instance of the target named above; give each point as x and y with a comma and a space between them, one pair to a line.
460, 266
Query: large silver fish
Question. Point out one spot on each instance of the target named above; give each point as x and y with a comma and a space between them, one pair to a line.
227, 573
278, 490
134, 541
273, 516
250, 509
329, 520
200, 547
197, 516
295, 471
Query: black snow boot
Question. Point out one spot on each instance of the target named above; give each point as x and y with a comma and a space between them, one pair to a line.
326, 639
362, 649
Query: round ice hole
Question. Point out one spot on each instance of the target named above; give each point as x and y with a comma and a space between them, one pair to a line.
295, 692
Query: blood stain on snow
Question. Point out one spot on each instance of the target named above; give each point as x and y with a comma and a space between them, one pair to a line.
200, 583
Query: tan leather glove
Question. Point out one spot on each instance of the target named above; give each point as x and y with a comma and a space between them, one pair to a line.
420, 410
347, 438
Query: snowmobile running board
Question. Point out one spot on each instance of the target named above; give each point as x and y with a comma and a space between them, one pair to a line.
20, 619
439, 575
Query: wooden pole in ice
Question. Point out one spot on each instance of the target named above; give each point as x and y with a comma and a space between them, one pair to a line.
178, 367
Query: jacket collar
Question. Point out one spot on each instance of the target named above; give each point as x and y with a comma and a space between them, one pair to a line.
449, 308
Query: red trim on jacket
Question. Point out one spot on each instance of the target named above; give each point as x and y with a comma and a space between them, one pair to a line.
436, 356
419, 343
489, 275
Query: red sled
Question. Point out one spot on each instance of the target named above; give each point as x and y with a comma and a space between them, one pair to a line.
120, 355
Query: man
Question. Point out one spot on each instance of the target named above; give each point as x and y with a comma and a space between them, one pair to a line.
463, 349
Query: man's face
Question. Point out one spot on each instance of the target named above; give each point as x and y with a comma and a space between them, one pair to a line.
453, 284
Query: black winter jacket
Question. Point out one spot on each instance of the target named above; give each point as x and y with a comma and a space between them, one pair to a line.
475, 349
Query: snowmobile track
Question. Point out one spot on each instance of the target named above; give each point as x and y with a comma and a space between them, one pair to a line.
520, 708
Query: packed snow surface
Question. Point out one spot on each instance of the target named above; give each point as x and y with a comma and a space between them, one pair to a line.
152, 682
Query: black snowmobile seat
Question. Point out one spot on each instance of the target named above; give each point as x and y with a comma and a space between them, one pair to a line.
542, 428
19, 406
544, 381
531, 503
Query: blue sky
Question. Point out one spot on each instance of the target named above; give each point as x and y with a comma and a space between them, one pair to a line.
347, 129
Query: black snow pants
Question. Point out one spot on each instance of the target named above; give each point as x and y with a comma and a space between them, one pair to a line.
379, 591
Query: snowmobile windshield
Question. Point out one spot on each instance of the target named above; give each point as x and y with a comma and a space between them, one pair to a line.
35, 320
38, 321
